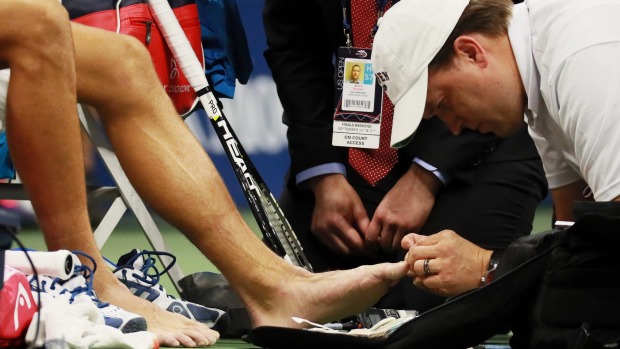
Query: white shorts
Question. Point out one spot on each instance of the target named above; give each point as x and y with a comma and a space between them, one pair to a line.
4, 87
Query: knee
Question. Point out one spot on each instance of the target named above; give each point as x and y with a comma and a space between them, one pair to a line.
134, 67
123, 73
45, 38
53, 32
50, 15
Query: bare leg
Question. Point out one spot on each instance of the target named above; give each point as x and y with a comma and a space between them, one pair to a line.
41, 115
171, 172
44, 136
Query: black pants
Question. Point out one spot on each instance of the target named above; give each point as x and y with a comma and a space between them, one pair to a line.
493, 210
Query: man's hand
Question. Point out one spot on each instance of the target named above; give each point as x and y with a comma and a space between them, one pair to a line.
339, 219
404, 209
455, 265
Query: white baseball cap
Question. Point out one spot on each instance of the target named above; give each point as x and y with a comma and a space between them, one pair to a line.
410, 35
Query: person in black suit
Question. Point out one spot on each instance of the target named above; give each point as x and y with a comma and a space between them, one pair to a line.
484, 187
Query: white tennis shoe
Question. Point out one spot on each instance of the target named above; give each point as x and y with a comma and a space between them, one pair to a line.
137, 271
78, 288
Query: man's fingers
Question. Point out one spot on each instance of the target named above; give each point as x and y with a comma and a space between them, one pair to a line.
386, 238
427, 267
341, 237
362, 221
333, 242
408, 241
349, 237
352, 239
422, 252
398, 237
371, 237
415, 240
432, 284
427, 240
419, 282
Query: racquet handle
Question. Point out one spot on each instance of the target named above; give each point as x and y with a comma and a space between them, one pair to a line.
178, 44
55, 264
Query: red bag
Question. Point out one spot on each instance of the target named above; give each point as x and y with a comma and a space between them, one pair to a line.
17, 307
136, 20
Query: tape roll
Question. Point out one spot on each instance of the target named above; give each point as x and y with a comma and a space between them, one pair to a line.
55, 264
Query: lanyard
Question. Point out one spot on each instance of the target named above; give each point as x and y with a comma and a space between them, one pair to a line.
346, 23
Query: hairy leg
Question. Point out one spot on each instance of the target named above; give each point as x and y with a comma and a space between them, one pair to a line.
44, 136
42, 125
172, 329
171, 171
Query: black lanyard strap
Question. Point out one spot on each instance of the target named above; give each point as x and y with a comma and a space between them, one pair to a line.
346, 20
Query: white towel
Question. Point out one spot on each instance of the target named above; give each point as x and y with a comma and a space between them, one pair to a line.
80, 325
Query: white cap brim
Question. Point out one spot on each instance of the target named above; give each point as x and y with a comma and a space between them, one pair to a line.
408, 112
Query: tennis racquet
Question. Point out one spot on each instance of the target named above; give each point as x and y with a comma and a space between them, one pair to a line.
278, 234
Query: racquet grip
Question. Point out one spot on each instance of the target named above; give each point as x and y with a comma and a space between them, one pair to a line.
55, 264
178, 43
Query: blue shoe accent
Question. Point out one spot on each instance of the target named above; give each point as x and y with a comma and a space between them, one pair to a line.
79, 287
138, 271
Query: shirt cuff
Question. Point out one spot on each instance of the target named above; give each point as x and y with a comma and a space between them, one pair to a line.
329, 168
440, 175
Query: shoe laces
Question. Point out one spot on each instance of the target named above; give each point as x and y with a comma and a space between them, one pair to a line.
81, 282
149, 273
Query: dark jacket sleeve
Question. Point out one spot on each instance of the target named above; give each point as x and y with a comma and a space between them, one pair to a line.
436, 145
458, 156
302, 38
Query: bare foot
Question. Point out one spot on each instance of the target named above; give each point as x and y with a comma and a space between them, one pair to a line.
322, 297
171, 329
